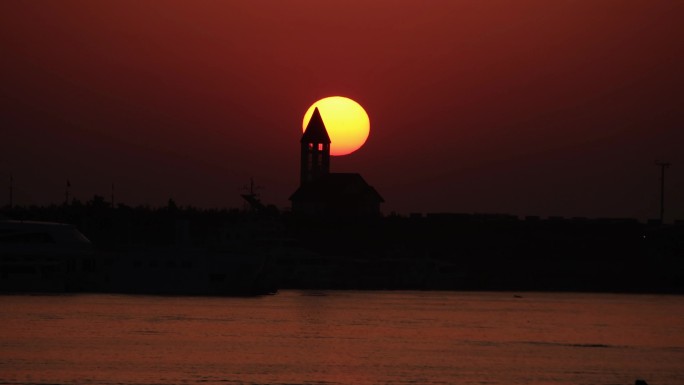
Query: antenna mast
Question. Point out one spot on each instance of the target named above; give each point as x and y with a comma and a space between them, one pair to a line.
663, 166
252, 197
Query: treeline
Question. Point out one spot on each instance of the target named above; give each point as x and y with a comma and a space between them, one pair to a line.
112, 227
441, 236
437, 251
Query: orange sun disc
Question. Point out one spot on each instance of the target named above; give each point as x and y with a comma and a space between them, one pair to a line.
346, 121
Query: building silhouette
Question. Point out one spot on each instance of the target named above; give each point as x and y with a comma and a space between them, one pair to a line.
322, 193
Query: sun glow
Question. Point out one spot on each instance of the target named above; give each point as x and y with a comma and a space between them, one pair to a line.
346, 121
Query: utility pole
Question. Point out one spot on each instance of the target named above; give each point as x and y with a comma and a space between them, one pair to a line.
11, 191
66, 192
112, 195
663, 166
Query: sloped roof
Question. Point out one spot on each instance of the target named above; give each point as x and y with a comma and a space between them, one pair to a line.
315, 131
336, 187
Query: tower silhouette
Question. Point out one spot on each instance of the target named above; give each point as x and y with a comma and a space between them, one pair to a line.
325, 194
315, 150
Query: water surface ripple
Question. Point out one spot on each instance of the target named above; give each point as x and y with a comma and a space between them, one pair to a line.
343, 337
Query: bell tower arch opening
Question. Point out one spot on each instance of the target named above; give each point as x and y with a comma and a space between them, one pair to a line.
315, 150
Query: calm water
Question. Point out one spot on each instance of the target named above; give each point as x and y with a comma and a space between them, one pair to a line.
343, 338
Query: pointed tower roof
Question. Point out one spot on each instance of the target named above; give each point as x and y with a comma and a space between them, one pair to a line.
315, 131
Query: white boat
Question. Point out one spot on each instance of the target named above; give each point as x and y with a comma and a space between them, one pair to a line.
45, 257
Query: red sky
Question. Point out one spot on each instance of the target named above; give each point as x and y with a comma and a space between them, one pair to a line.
521, 107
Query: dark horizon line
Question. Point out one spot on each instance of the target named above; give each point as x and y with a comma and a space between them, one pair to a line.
393, 214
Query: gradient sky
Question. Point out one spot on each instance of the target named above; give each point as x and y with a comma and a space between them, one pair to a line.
522, 107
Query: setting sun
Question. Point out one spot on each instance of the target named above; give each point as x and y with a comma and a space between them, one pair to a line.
346, 121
